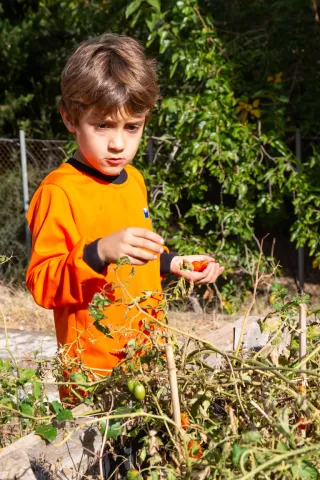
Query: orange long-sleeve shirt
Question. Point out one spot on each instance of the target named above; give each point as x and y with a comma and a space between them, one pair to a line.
69, 211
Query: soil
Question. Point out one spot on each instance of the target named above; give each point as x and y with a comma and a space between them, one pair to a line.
21, 312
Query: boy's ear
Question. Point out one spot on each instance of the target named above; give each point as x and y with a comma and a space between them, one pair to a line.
66, 120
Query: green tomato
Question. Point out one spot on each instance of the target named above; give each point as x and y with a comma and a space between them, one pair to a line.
131, 384
139, 392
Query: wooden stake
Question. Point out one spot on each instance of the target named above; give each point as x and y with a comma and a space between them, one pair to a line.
303, 345
303, 331
173, 386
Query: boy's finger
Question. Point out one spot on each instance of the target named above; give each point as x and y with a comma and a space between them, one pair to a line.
147, 234
146, 244
138, 254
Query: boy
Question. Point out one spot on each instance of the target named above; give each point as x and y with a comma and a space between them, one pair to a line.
93, 209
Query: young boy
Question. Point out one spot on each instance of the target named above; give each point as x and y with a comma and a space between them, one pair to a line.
93, 209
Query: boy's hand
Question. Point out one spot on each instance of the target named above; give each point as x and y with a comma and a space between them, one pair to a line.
139, 244
208, 275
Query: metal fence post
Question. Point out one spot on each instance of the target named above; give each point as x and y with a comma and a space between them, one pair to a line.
150, 148
25, 189
300, 249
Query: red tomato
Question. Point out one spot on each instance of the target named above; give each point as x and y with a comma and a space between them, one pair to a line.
301, 425
199, 266
302, 389
195, 449
185, 420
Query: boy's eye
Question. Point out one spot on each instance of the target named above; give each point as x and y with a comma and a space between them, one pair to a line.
102, 125
133, 128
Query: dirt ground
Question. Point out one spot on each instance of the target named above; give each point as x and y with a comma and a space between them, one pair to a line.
21, 312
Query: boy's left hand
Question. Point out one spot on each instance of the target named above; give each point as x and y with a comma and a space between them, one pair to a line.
209, 274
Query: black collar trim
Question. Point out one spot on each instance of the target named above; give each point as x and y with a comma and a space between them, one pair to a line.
116, 179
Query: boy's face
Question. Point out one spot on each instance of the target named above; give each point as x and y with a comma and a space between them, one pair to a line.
106, 144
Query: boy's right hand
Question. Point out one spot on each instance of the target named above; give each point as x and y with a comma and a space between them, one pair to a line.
139, 244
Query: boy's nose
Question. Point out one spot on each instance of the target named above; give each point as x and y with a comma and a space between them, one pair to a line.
116, 142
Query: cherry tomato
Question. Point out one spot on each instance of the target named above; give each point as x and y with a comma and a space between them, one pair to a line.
185, 420
199, 266
139, 392
302, 389
301, 425
131, 384
195, 449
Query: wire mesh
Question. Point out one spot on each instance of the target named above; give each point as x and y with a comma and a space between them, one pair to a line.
43, 156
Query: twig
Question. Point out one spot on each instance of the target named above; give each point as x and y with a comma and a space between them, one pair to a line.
279, 459
5, 329
237, 392
315, 10
261, 411
104, 439
257, 281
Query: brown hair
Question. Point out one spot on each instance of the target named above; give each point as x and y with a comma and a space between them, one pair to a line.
109, 72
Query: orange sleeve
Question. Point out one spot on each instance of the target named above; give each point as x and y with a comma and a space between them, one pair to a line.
57, 271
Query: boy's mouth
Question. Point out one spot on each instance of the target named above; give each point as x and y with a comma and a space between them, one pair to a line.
115, 161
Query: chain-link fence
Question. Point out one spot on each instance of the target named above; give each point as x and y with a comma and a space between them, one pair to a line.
24, 163
42, 155
18, 181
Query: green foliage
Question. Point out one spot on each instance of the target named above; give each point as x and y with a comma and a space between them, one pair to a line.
47, 432
246, 419
236, 79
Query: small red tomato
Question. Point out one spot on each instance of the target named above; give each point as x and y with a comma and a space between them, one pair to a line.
301, 425
199, 266
302, 388
185, 420
195, 449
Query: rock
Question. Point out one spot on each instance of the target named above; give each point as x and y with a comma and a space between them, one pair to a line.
15, 465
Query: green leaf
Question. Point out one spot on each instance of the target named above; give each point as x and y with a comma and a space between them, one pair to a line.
143, 454
237, 451
132, 7
282, 447
64, 415
25, 376
47, 432
251, 437
56, 406
155, 4
78, 378
115, 429
103, 329
133, 271
305, 470
37, 388
171, 476
26, 409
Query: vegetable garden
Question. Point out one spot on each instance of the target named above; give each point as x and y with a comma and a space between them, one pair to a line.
237, 82
180, 416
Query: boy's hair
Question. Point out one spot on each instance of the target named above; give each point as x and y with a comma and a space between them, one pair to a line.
109, 72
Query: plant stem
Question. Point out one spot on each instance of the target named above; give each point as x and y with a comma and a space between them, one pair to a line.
279, 459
